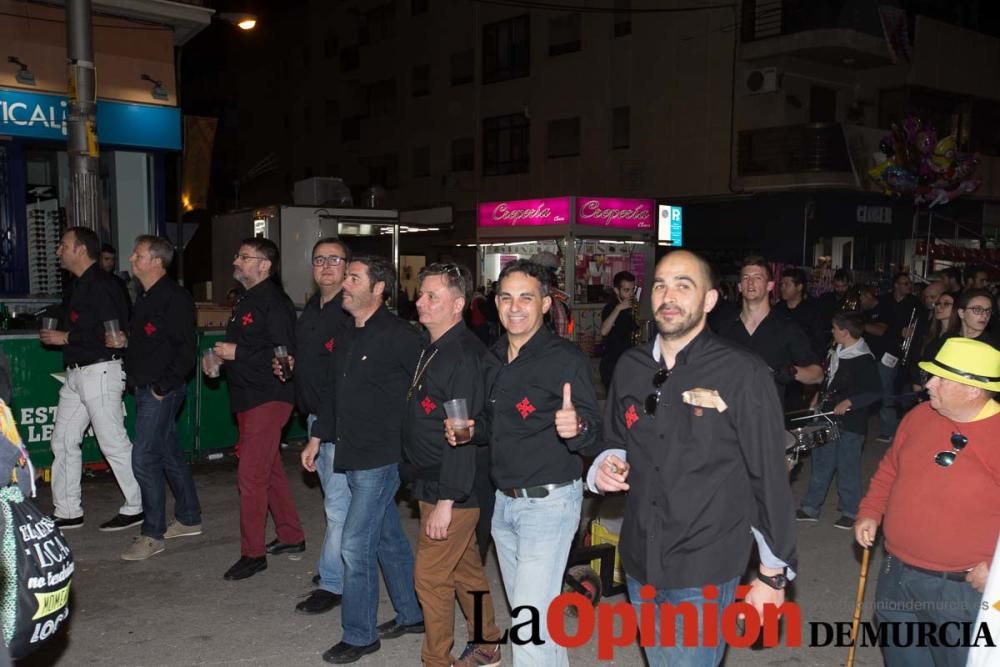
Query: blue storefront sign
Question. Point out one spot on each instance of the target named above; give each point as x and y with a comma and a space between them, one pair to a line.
670, 227
43, 116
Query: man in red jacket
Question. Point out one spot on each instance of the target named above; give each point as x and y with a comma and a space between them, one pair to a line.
937, 494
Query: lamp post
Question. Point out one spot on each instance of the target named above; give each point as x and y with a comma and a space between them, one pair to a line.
245, 22
81, 121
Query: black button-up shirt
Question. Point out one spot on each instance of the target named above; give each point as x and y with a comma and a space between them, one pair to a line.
93, 299
524, 396
263, 318
161, 342
457, 365
316, 335
699, 476
374, 367
778, 340
808, 315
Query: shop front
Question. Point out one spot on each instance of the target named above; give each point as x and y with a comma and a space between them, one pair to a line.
593, 237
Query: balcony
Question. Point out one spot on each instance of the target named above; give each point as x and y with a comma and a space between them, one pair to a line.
846, 36
812, 155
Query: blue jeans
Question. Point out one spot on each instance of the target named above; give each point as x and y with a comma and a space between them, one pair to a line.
373, 531
843, 457
336, 500
680, 655
157, 454
888, 418
533, 537
907, 596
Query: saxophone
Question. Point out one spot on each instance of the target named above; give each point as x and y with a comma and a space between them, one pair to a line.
636, 322
908, 341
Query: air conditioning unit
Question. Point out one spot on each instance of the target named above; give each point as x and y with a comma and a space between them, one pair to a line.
760, 81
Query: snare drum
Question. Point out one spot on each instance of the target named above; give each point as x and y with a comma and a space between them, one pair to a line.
814, 435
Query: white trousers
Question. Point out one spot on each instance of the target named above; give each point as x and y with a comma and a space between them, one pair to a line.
91, 395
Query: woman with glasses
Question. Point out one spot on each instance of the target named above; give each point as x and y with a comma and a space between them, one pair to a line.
975, 307
944, 324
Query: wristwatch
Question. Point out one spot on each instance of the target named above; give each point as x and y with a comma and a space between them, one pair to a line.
777, 582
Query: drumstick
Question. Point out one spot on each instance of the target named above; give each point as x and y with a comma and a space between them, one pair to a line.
819, 414
857, 607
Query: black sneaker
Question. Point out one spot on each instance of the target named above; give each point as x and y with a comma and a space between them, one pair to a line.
392, 629
277, 547
802, 516
318, 602
344, 653
245, 567
120, 522
67, 524
844, 523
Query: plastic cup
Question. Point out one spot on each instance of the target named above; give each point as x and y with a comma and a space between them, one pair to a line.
457, 410
212, 363
281, 354
113, 335
50, 323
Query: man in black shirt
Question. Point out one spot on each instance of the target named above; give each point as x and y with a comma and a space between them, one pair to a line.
93, 386
779, 341
700, 424
830, 303
160, 355
375, 363
315, 339
453, 364
806, 313
108, 256
542, 416
900, 309
263, 318
617, 324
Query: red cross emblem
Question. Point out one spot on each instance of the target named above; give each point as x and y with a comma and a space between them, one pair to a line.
73, 316
631, 417
428, 405
525, 408
248, 319
330, 344
150, 329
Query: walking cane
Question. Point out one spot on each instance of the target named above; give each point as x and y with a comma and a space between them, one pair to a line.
857, 607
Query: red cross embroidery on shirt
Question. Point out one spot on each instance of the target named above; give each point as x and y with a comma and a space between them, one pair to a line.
525, 408
73, 316
330, 344
631, 417
248, 319
150, 329
428, 405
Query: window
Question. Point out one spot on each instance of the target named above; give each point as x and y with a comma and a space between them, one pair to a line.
564, 137
350, 129
506, 50
306, 117
564, 34
384, 170
380, 22
623, 18
332, 112
621, 127
462, 67
463, 154
330, 44
350, 58
418, 7
505, 145
306, 56
421, 162
421, 80
822, 104
382, 98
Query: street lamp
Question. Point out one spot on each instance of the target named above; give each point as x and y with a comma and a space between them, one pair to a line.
241, 21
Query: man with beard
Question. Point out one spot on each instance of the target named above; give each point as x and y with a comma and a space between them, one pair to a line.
375, 361
263, 318
832, 302
694, 432
778, 340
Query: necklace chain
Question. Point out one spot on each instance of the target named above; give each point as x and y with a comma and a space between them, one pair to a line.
419, 373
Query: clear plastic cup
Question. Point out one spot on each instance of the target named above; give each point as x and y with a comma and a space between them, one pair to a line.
457, 410
212, 363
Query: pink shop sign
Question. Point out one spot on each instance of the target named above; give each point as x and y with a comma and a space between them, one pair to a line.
615, 213
525, 213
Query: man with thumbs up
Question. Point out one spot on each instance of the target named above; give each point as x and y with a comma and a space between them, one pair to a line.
542, 415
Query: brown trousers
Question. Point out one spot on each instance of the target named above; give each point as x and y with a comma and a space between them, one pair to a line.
446, 569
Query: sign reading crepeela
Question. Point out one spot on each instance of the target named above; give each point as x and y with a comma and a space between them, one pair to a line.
635, 214
617, 213
525, 213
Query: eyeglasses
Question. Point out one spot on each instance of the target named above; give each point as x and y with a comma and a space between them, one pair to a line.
332, 260
945, 459
244, 258
653, 399
980, 310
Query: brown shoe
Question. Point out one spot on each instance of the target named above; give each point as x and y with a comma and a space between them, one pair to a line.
479, 655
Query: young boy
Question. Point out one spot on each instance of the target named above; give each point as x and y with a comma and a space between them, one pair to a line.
851, 385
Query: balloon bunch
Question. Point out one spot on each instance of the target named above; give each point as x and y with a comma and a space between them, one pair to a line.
911, 160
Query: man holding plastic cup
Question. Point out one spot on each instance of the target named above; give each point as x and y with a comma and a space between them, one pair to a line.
263, 318
94, 384
448, 384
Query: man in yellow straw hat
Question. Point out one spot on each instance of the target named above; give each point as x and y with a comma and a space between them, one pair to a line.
937, 494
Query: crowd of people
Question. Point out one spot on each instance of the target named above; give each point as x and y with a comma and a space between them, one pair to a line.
692, 429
